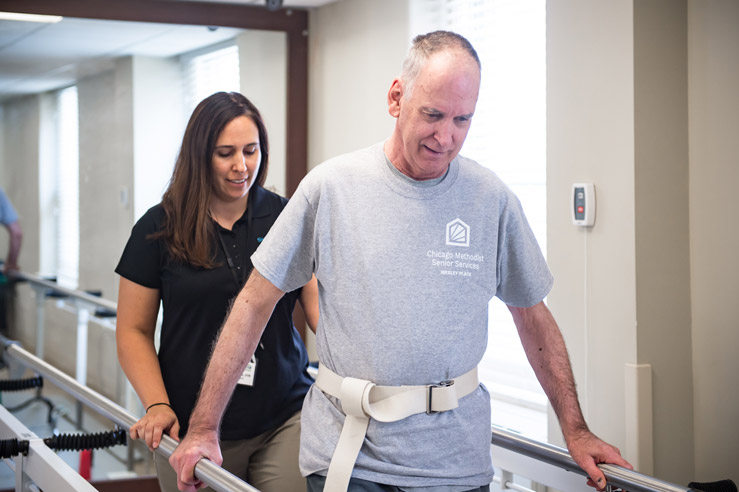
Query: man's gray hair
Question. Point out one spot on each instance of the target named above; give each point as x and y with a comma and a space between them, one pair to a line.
426, 45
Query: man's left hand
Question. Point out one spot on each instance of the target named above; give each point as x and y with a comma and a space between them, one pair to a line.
588, 451
195, 446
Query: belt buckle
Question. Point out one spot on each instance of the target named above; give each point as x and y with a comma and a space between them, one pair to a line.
442, 384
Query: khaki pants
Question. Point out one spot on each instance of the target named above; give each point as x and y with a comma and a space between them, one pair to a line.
268, 462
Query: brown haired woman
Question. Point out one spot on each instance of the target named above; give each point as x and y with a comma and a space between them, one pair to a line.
191, 252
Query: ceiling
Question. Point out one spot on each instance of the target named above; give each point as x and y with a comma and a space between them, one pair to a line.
37, 57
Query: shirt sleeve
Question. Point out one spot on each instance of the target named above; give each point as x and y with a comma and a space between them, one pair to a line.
286, 257
523, 276
141, 261
8, 215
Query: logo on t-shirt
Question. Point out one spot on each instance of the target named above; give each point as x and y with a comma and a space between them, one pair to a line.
457, 233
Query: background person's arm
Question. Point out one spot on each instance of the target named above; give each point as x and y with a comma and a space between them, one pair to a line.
14, 246
236, 344
547, 354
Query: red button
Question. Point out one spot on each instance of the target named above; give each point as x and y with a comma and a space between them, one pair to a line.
580, 209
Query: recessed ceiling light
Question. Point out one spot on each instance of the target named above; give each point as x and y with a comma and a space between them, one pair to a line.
14, 16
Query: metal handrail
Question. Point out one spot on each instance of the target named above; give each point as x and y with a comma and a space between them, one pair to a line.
77, 294
40, 466
218, 478
207, 471
554, 455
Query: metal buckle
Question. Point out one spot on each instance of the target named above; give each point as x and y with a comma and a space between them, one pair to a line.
442, 384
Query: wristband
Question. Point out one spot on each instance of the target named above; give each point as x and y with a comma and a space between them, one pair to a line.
160, 403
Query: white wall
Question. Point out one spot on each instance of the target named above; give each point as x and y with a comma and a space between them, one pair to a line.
356, 49
263, 74
106, 165
131, 126
158, 125
713, 44
662, 226
642, 101
590, 138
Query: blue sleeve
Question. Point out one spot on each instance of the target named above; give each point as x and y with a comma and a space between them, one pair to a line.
8, 215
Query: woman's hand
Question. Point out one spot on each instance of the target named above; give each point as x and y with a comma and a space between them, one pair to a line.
159, 419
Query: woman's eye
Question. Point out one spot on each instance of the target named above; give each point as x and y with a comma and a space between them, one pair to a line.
224, 154
250, 150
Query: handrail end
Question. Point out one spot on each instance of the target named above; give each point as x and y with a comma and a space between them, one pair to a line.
7, 342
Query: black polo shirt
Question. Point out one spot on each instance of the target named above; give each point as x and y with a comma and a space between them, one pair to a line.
195, 303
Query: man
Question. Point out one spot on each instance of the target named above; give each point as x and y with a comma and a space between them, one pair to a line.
9, 219
408, 242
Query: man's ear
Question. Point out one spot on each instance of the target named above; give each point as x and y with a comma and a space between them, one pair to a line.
394, 95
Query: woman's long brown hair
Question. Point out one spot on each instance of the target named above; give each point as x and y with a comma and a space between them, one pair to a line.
188, 230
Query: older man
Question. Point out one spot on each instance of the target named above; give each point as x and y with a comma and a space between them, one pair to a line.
409, 242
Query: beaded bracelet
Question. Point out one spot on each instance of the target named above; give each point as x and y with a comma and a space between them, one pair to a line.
160, 403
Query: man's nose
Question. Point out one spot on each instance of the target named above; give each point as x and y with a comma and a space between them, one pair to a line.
444, 134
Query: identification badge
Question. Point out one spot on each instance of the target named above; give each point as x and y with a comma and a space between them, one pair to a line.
247, 377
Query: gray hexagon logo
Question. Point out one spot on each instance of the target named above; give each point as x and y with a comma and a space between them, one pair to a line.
457, 233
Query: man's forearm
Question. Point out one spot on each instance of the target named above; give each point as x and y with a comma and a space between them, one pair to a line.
236, 344
547, 354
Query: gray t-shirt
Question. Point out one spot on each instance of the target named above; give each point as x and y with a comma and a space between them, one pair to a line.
405, 272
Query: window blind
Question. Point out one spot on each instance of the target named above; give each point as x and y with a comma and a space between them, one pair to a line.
67, 189
208, 71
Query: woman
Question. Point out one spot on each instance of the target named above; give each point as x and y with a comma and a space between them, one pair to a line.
191, 252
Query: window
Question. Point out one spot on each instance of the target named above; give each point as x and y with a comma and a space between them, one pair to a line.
210, 70
59, 187
508, 135
67, 193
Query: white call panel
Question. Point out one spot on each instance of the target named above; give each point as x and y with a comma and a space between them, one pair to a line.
583, 204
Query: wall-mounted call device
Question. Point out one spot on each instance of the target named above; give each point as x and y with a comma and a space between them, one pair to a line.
583, 204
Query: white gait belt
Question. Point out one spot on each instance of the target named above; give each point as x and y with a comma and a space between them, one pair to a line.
362, 400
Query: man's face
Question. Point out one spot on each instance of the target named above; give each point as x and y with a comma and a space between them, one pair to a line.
433, 122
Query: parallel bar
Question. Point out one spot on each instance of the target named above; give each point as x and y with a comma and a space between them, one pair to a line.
554, 455
80, 371
207, 471
505, 483
42, 465
40, 304
83, 296
224, 481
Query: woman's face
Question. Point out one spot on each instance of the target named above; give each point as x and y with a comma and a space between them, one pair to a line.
236, 160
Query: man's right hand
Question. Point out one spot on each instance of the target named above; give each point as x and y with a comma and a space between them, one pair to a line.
195, 446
